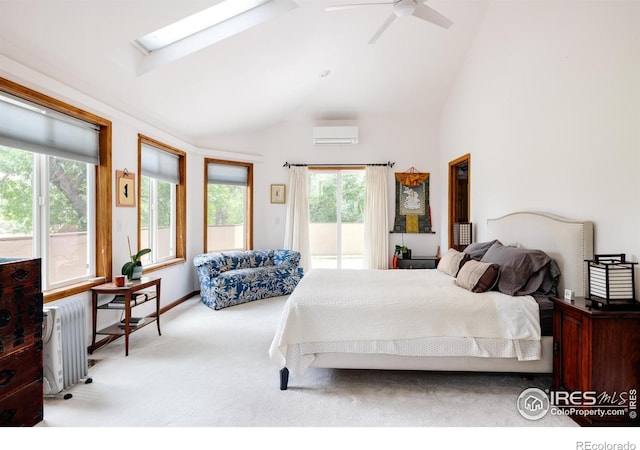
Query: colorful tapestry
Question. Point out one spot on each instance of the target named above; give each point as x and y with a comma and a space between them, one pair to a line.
413, 213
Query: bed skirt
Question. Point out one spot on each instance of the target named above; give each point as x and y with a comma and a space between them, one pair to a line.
378, 361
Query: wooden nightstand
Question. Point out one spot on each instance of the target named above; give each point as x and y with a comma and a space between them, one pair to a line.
418, 262
596, 355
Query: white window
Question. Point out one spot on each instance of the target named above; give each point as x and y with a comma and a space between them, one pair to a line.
48, 166
229, 205
159, 182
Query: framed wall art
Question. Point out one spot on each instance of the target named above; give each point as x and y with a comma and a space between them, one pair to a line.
125, 188
278, 193
413, 213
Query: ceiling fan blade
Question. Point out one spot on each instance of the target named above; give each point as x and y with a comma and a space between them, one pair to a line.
431, 15
354, 5
381, 30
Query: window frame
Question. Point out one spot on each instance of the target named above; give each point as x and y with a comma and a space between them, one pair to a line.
181, 203
249, 205
103, 196
42, 168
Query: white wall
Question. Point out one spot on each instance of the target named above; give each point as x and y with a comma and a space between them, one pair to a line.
548, 106
409, 142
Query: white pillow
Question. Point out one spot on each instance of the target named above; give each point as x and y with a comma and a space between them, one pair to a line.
451, 262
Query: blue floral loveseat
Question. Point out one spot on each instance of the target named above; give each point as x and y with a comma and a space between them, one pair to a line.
231, 278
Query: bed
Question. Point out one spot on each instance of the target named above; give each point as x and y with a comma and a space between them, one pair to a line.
442, 319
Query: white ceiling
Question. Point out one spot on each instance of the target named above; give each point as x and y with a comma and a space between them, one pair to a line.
254, 79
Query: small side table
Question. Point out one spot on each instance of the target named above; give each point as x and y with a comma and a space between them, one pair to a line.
417, 262
127, 290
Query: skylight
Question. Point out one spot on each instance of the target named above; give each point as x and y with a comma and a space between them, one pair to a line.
196, 23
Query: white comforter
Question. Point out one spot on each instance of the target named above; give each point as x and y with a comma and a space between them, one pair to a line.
401, 312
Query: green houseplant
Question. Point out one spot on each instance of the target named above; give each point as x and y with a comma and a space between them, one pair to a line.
130, 268
403, 251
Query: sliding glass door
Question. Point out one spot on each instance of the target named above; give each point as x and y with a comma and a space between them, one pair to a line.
336, 217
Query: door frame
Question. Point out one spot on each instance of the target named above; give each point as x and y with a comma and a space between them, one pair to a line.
454, 214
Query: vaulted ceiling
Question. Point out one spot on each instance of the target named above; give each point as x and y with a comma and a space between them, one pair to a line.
307, 64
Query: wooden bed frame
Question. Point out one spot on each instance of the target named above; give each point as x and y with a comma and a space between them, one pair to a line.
568, 242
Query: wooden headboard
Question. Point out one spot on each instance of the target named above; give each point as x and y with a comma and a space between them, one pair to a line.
568, 242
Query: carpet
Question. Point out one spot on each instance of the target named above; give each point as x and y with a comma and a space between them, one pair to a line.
212, 369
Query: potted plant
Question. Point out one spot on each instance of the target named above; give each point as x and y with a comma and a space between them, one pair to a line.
403, 251
133, 269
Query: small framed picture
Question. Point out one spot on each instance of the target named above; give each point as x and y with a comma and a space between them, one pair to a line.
278, 193
126, 188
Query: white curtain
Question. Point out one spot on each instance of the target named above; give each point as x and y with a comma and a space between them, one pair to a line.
297, 227
376, 219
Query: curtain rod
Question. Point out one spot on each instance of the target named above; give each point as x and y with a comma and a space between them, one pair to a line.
388, 163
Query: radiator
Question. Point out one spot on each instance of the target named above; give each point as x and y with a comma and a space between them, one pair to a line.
65, 345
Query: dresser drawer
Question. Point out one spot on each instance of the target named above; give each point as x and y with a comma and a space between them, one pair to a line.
20, 319
23, 408
20, 273
21, 393
20, 368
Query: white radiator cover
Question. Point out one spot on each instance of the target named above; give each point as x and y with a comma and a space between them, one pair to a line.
64, 340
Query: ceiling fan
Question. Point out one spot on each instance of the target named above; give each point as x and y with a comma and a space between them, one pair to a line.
401, 8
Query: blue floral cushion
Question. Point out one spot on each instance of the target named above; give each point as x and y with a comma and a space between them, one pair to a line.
287, 257
248, 259
253, 275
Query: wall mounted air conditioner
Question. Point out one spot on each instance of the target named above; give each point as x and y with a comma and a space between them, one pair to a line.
335, 135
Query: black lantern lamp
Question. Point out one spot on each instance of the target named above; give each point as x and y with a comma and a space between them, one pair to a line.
611, 280
462, 235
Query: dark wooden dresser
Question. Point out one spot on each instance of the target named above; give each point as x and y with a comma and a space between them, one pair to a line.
21, 395
596, 356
